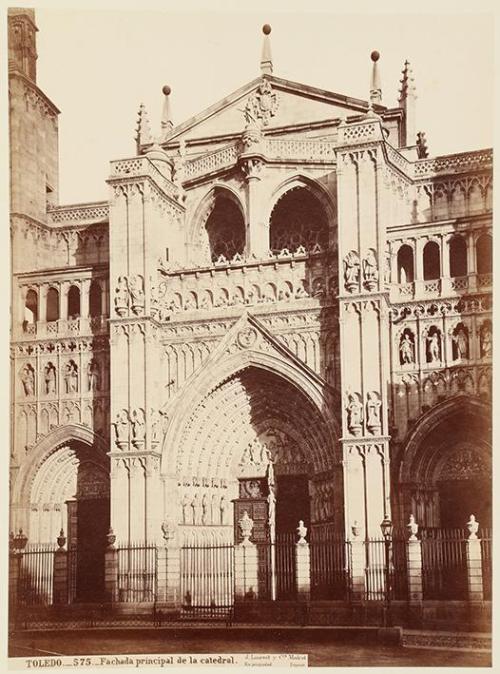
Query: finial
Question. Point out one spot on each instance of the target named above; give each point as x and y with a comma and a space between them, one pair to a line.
375, 86
266, 61
407, 102
143, 129
166, 116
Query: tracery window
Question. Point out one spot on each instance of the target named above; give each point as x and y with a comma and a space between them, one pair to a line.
298, 219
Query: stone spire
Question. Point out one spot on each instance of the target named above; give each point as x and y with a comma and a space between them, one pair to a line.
407, 101
143, 129
266, 61
166, 115
375, 85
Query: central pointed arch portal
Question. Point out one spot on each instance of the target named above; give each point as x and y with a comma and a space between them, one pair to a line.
254, 443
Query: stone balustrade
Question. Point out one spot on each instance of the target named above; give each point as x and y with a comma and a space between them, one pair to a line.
76, 327
78, 213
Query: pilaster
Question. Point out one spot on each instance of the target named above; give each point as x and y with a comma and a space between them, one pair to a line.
364, 324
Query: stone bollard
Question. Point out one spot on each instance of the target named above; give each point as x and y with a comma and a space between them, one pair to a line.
414, 563
60, 577
302, 564
111, 569
246, 563
357, 564
474, 562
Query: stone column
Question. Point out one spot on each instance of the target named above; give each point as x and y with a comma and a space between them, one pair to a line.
245, 563
257, 231
445, 266
474, 562
358, 563
414, 564
302, 564
42, 303
63, 300
60, 578
111, 569
419, 266
471, 261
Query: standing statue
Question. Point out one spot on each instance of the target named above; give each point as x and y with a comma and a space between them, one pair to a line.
373, 405
28, 380
121, 426
370, 269
138, 425
354, 414
351, 270
136, 288
486, 345
121, 296
71, 377
461, 341
92, 376
50, 379
406, 350
434, 347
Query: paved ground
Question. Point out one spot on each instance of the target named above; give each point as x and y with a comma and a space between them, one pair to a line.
321, 650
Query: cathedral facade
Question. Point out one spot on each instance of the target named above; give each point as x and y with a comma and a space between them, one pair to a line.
282, 309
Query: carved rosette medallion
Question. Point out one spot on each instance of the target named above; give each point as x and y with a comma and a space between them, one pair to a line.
247, 337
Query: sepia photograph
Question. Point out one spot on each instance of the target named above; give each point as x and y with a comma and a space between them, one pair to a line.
251, 334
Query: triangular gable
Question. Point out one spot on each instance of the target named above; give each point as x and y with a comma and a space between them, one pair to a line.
296, 104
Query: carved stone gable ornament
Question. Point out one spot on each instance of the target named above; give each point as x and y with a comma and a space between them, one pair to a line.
261, 105
247, 337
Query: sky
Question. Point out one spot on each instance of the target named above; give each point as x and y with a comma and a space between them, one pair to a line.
97, 66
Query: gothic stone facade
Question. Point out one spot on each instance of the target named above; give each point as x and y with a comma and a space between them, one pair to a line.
283, 301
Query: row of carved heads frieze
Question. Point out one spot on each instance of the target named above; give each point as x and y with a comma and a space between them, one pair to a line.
354, 267
131, 427
359, 416
129, 294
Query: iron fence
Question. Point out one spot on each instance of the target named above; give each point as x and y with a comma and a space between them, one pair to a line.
485, 538
386, 569
444, 564
36, 575
137, 573
207, 576
330, 557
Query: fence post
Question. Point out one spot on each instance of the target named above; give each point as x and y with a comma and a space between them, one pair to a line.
357, 564
302, 564
169, 567
245, 563
414, 563
474, 562
111, 569
60, 578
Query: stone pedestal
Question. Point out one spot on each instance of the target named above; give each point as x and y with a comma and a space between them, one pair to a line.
358, 569
474, 569
245, 571
14, 574
169, 570
60, 579
111, 574
303, 570
414, 571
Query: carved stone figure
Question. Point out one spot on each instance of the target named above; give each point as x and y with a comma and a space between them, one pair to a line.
138, 421
351, 270
434, 348
71, 377
223, 509
406, 350
354, 414
121, 426
93, 376
373, 405
184, 505
461, 341
204, 509
485, 340
50, 379
121, 296
370, 270
28, 380
136, 288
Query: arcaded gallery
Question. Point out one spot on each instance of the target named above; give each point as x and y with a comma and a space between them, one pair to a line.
259, 374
